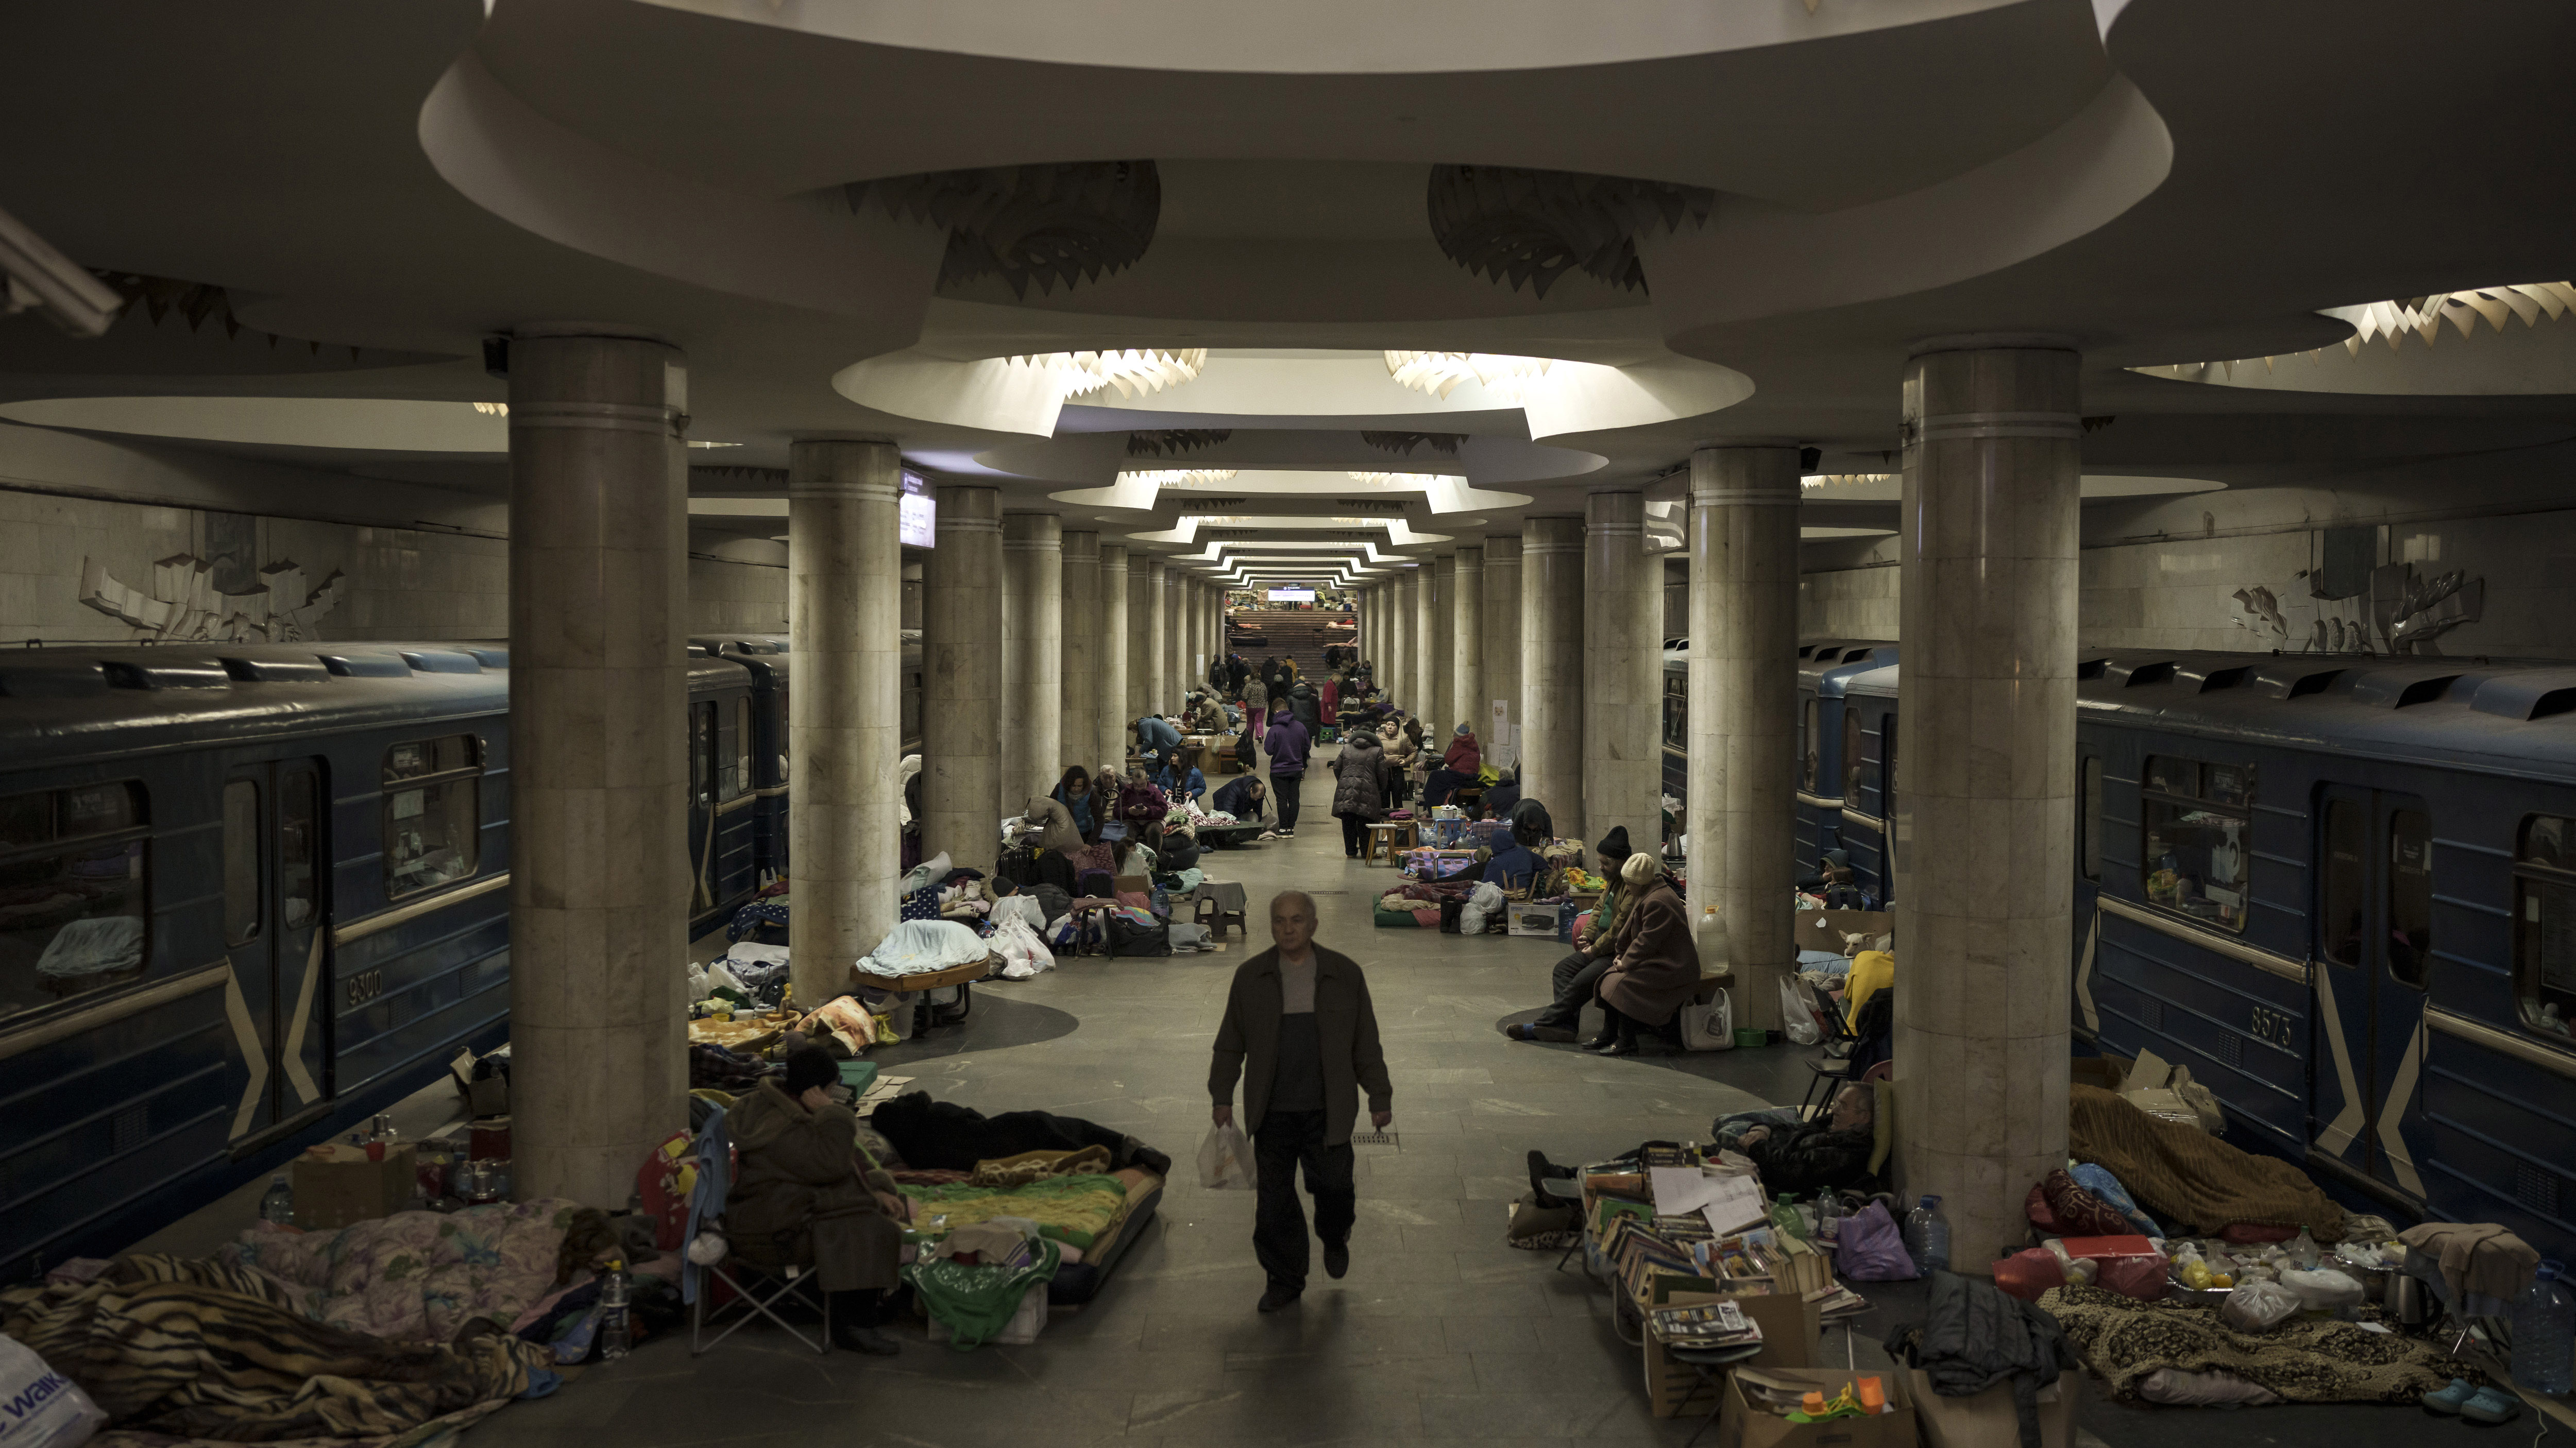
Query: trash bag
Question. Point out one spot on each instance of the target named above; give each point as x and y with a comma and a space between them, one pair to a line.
2258, 1307
1872, 1249
1798, 1017
46, 1409
2028, 1273
1225, 1160
1484, 903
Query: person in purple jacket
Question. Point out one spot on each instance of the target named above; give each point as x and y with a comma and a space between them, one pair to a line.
1286, 742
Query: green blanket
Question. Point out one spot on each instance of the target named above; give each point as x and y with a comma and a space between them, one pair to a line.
976, 1303
1072, 1209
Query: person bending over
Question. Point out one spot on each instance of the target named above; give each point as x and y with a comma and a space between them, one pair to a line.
1156, 738
1300, 1032
1242, 797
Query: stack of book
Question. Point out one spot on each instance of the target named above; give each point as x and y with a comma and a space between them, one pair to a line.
1712, 1326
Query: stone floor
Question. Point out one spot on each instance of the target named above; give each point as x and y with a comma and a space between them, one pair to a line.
1440, 1332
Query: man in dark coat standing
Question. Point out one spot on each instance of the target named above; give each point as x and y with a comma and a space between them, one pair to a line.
1301, 1033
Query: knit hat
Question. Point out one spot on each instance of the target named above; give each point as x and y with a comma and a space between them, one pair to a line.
1463, 731
809, 1068
1614, 846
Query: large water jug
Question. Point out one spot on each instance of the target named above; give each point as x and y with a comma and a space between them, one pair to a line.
1927, 1237
2544, 1333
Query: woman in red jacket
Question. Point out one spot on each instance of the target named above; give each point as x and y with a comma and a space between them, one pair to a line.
1457, 767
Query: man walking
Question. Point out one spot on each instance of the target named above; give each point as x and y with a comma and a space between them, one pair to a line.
1300, 1031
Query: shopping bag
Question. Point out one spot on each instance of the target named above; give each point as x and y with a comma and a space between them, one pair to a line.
1797, 1016
1870, 1248
1225, 1159
45, 1409
1710, 1026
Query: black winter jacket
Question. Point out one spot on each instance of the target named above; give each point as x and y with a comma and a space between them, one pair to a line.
1812, 1156
1978, 1336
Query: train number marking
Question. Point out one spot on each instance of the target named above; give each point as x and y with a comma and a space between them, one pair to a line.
2271, 1027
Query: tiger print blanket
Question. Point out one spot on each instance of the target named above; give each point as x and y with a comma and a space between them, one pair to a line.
207, 1350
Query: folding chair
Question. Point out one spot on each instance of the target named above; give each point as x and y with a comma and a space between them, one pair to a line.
1565, 1192
1831, 1065
795, 1282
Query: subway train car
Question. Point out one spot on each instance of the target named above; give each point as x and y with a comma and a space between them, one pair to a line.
249, 895
724, 827
1865, 760
1824, 740
772, 668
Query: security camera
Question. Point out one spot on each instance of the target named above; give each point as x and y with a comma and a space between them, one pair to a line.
43, 279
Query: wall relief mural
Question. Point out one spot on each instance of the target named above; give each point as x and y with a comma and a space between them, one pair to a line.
184, 606
2401, 612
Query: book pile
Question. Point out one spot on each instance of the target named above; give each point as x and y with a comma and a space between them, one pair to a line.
1713, 1326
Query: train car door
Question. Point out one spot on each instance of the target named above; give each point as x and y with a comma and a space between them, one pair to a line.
2088, 888
2374, 944
274, 937
702, 802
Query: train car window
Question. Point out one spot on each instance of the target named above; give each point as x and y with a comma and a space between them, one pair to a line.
2410, 896
1677, 712
242, 849
702, 752
2544, 928
73, 893
433, 821
2088, 819
740, 784
2197, 822
299, 829
1808, 730
2346, 886
1851, 756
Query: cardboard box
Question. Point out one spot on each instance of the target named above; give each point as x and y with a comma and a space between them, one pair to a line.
1987, 1419
1543, 921
337, 1193
1742, 1425
1828, 929
1790, 1329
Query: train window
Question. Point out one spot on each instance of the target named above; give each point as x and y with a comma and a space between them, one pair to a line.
299, 829
1676, 712
2544, 931
1851, 757
1808, 733
2410, 896
242, 842
433, 823
2196, 822
740, 784
702, 752
72, 893
2088, 819
2346, 884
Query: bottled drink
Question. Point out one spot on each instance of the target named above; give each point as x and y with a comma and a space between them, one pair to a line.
279, 1205
1162, 901
615, 1333
1829, 1218
1785, 1219
1927, 1236
2544, 1333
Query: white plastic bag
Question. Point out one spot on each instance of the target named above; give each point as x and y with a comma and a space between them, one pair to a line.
2324, 1289
1023, 954
39, 1407
1225, 1160
2258, 1306
1709, 1027
1022, 907
1797, 1016
1482, 904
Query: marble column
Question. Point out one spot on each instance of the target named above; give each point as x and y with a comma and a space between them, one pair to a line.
1426, 645
1112, 729
1140, 641
599, 771
1502, 635
1033, 753
1467, 641
1743, 718
1158, 636
1402, 683
1082, 618
962, 803
1552, 647
1623, 612
1444, 651
1176, 644
845, 713
1984, 817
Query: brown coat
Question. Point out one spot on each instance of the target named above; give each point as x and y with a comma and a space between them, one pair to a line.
798, 1195
1247, 1041
1657, 969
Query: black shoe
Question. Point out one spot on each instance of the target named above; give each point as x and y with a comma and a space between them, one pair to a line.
1337, 1259
1542, 1170
852, 1338
1601, 1043
1624, 1046
1278, 1297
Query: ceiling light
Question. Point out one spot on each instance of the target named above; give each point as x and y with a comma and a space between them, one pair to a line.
1439, 373
1180, 477
1814, 481
1397, 480
1134, 372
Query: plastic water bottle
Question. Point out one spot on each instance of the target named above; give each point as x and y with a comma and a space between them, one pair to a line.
615, 1333
1162, 900
1829, 1218
2304, 1251
1927, 1236
279, 1205
2544, 1333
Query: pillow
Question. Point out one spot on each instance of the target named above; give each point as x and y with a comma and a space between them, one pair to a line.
2080, 1210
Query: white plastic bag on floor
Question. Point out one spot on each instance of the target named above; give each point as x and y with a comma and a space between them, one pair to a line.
1798, 1017
2258, 1306
1225, 1160
1023, 954
1709, 1027
1023, 907
45, 1409
1481, 907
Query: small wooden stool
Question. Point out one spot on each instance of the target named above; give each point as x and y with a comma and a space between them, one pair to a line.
1382, 839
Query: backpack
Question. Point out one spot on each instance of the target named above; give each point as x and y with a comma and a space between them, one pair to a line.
1128, 938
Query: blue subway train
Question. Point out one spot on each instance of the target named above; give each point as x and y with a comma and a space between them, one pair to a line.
2342, 889
1823, 784
252, 894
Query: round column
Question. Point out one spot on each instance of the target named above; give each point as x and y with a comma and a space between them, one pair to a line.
1467, 641
1743, 715
1176, 643
1552, 683
961, 763
1111, 729
1984, 815
1426, 645
1444, 643
1623, 609
599, 772
845, 713
1032, 656
1158, 637
1140, 643
1401, 682
1082, 621
1501, 653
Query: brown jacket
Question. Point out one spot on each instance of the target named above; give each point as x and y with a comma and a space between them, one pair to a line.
798, 1196
1247, 1041
1657, 969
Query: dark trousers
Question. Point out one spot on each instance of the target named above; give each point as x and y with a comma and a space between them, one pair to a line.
1354, 835
1575, 978
1284, 1142
1287, 787
1436, 789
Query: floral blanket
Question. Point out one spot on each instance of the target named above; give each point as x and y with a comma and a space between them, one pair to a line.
415, 1276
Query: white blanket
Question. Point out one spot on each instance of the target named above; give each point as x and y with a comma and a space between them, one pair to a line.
918, 947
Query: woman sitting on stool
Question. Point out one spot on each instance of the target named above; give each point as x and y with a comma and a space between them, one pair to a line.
1459, 766
1655, 969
